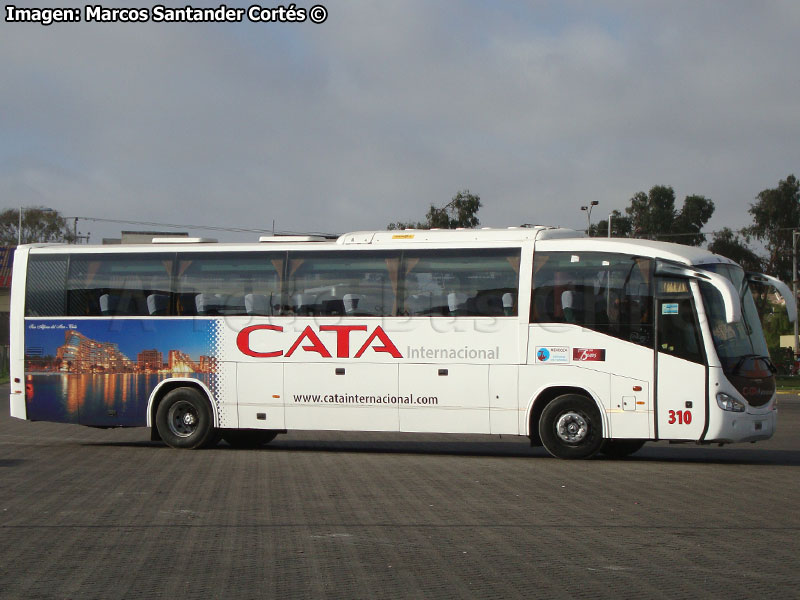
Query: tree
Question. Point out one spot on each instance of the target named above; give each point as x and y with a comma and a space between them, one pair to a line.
696, 212
653, 216
38, 225
461, 211
776, 213
729, 244
620, 226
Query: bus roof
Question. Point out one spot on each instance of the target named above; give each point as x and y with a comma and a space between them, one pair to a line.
485, 234
382, 238
689, 255
546, 237
555, 238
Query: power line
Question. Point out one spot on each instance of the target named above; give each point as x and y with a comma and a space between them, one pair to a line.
204, 227
707, 233
329, 234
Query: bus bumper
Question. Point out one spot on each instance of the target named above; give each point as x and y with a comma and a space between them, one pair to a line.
17, 405
735, 427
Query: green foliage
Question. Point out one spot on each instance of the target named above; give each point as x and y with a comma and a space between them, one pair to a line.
38, 225
621, 226
406, 225
788, 382
654, 216
775, 322
782, 358
696, 212
730, 245
775, 213
461, 211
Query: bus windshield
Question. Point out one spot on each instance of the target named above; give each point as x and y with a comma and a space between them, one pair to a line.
735, 342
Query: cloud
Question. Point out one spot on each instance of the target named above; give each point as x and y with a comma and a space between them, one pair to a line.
389, 107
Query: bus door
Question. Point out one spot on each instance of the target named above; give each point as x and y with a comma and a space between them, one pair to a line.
681, 373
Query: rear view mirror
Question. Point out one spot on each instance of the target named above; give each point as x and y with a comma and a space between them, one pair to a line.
783, 290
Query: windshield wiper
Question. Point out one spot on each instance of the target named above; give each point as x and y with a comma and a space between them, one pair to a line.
740, 362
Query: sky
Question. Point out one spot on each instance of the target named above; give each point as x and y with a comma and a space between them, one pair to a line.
389, 107
131, 335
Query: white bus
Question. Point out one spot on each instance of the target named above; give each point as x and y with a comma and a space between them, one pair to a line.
584, 345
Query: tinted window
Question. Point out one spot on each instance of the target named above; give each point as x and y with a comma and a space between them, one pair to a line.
44, 293
733, 340
678, 330
609, 293
119, 284
343, 283
229, 283
461, 282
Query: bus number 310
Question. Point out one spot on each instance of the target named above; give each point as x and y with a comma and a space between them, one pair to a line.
681, 417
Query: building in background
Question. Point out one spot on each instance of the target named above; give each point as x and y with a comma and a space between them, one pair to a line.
149, 360
80, 354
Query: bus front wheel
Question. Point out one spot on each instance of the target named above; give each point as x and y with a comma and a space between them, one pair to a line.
184, 419
571, 427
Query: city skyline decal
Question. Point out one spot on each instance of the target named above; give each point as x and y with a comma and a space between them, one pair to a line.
102, 372
81, 354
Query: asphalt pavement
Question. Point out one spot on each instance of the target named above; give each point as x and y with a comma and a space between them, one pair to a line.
88, 513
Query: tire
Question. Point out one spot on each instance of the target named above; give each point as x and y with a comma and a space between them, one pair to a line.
184, 419
571, 427
621, 448
248, 438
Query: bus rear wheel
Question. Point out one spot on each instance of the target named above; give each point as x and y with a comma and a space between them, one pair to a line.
184, 419
248, 438
571, 427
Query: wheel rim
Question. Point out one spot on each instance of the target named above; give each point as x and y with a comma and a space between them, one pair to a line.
183, 419
572, 428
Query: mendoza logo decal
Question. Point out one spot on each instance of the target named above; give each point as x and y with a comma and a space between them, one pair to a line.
552, 354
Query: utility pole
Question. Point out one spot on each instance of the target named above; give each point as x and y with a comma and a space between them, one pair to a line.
795, 233
611, 216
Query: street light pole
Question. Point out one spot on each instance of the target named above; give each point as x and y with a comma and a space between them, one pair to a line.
611, 216
588, 210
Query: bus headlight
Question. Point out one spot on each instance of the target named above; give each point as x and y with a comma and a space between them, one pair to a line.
726, 402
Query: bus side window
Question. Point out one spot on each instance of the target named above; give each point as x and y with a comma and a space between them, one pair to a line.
608, 293
44, 294
465, 282
343, 283
229, 283
119, 284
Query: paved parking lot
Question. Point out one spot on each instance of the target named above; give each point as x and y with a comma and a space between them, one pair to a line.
108, 514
